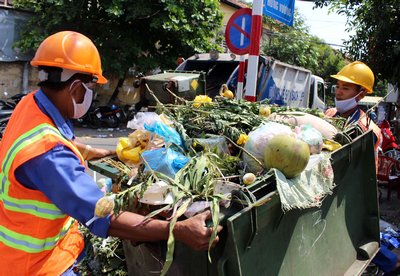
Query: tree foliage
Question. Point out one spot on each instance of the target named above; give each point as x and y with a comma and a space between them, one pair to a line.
142, 33
294, 45
377, 33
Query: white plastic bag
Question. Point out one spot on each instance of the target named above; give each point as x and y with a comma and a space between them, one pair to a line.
327, 130
142, 118
312, 137
258, 139
157, 194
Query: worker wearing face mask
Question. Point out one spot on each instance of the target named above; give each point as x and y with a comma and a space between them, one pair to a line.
354, 81
44, 190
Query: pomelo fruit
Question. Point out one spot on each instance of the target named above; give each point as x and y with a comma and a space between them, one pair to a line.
287, 154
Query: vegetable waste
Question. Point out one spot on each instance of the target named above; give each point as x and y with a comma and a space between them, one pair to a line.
214, 135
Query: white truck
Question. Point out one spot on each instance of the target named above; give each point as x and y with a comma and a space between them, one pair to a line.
287, 85
281, 83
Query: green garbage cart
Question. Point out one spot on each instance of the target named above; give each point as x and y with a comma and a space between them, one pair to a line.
183, 84
338, 238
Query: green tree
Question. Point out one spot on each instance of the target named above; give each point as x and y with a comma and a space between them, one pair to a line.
142, 33
377, 34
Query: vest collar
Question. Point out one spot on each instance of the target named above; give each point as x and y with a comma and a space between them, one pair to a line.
47, 107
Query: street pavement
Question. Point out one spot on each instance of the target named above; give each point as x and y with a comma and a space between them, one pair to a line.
106, 138
102, 137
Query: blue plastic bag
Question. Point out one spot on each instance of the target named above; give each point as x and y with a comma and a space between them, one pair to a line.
169, 134
164, 160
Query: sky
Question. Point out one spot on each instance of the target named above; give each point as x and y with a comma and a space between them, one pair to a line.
328, 26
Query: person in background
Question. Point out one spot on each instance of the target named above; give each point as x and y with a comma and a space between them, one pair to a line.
180, 59
373, 116
44, 189
354, 81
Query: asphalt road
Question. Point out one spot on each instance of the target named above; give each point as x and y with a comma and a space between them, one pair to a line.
103, 137
106, 138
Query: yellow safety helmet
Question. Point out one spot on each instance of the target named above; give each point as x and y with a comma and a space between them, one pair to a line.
71, 51
357, 72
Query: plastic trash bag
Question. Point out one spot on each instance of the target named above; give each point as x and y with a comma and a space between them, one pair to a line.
295, 118
312, 137
214, 142
157, 194
142, 118
164, 160
169, 134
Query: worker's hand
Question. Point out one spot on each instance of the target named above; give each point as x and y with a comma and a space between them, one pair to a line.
96, 153
194, 232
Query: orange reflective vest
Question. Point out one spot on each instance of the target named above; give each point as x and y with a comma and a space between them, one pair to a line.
366, 124
36, 238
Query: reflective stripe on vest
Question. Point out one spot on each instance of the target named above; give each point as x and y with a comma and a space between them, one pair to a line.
41, 209
30, 244
33, 207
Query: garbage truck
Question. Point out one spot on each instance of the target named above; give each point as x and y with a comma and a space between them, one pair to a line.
278, 82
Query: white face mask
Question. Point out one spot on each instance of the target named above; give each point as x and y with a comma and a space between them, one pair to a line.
82, 108
346, 105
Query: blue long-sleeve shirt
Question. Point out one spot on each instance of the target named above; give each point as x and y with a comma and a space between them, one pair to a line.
59, 174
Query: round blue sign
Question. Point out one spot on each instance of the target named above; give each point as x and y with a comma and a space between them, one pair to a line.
237, 32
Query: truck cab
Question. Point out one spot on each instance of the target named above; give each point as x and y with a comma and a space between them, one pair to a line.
317, 93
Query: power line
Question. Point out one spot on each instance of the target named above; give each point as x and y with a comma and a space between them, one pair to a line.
272, 34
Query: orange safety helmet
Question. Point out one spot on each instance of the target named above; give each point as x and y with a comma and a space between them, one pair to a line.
357, 72
72, 51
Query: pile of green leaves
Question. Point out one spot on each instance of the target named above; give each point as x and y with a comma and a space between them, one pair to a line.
221, 117
102, 256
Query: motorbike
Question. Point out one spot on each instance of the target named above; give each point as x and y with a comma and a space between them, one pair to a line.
109, 116
5, 116
7, 105
389, 144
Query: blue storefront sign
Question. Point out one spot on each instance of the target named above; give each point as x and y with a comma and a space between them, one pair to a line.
281, 10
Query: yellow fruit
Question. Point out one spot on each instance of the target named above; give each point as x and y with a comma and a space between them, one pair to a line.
287, 154
265, 111
228, 94
104, 206
249, 178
